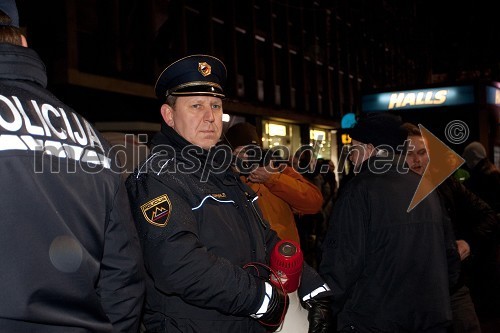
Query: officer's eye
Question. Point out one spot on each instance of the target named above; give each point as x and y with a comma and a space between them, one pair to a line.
216, 106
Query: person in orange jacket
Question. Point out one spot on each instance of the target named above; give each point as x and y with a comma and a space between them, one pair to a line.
282, 191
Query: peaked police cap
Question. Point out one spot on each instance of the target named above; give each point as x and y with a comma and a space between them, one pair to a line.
193, 75
10, 9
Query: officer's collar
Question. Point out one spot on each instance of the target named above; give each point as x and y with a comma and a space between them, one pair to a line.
21, 63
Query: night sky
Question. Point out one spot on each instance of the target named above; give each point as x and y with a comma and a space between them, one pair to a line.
464, 34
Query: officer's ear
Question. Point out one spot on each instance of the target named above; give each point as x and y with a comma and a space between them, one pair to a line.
167, 114
24, 42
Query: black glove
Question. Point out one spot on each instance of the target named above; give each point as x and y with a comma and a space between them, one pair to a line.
276, 309
320, 315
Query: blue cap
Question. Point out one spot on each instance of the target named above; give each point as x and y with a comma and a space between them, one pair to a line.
9, 7
193, 75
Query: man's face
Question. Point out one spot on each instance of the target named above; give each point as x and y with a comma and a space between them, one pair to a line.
198, 119
417, 159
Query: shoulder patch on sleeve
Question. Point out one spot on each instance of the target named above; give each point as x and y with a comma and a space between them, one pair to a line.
157, 211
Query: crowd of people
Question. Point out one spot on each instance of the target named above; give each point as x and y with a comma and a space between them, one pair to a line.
200, 237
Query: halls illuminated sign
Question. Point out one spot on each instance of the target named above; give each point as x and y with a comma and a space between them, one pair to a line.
423, 98
493, 95
401, 100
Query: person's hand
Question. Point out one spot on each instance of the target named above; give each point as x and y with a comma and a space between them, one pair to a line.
320, 315
277, 305
262, 174
463, 249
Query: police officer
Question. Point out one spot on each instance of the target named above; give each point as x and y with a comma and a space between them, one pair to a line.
203, 237
69, 252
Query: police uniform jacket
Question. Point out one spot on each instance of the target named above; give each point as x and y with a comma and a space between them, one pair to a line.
390, 270
69, 253
200, 226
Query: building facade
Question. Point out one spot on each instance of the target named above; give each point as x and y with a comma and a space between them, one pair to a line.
300, 64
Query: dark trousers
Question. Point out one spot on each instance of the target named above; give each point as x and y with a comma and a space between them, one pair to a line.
464, 313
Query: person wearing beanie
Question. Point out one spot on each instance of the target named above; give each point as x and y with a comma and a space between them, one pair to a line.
474, 153
484, 181
390, 269
69, 252
202, 234
376, 135
242, 134
484, 177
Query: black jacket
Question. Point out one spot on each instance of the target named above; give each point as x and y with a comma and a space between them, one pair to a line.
484, 181
388, 268
472, 218
69, 253
199, 227
474, 222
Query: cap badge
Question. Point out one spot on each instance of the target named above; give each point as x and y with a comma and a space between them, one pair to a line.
204, 68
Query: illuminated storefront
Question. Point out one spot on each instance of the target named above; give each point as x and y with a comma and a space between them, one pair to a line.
322, 142
289, 138
279, 134
288, 135
457, 115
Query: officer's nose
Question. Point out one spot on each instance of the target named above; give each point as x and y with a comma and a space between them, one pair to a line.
209, 115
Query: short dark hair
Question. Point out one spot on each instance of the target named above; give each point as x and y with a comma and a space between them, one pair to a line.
8, 33
411, 129
170, 100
